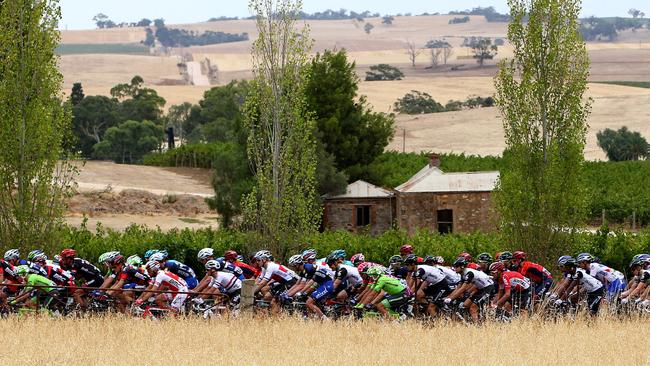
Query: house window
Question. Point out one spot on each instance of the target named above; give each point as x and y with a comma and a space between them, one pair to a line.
445, 221
363, 216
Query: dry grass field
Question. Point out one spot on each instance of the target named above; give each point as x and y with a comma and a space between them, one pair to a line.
127, 341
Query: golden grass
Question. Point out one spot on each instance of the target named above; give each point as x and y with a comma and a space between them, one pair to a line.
246, 341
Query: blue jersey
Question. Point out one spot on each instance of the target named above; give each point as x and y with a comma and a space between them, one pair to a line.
231, 268
183, 271
316, 273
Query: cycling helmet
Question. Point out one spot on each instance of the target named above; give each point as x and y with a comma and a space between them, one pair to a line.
331, 260
309, 255
584, 257
461, 262
56, 259
22, 271
636, 262
505, 256
497, 266
12, 254
158, 257
406, 249
295, 260
484, 258
68, 253
395, 259
374, 272
642, 257
338, 254
33, 254
205, 253
358, 259
118, 259
262, 255
108, 257
411, 259
134, 260
230, 255
571, 262
466, 256
519, 255
439, 260
429, 260
213, 264
240, 258
149, 253
562, 260
153, 265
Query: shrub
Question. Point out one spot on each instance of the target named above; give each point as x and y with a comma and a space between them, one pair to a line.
417, 102
383, 72
464, 19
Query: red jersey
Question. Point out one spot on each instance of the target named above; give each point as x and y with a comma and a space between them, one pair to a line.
513, 281
248, 270
535, 272
473, 266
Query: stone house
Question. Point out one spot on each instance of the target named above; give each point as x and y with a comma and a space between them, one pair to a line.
364, 207
431, 199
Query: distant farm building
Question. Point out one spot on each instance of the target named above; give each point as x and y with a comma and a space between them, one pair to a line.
431, 199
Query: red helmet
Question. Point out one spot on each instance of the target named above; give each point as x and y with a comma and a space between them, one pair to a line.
230, 255
68, 253
497, 266
406, 249
358, 259
466, 256
119, 259
519, 255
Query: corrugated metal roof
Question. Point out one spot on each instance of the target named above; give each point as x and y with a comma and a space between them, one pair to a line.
361, 189
432, 179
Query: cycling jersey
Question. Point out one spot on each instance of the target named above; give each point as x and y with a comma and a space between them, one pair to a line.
604, 274
36, 268
513, 281
231, 268
226, 282
32, 280
400, 272
589, 283
134, 275
477, 278
391, 285
248, 270
452, 277
535, 272
8, 270
180, 269
170, 281
278, 273
430, 274
81, 268
348, 274
59, 276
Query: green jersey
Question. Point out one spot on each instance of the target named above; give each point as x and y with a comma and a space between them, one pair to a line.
38, 280
390, 285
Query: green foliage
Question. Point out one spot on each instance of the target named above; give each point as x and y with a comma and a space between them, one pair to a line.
598, 29
464, 19
623, 144
483, 50
490, 14
348, 129
138, 103
388, 20
416, 102
171, 37
541, 190
368, 28
35, 176
391, 169
384, 72
77, 94
129, 142
92, 116
150, 38
98, 48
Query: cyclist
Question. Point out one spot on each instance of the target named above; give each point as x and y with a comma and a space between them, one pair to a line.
61, 278
224, 283
427, 281
247, 270
128, 282
580, 278
396, 268
81, 270
277, 277
389, 292
638, 287
34, 267
613, 280
514, 289
484, 261
175, 286
8, 275
37, 290
319, 286
347, 280
477, 284
452, 277
177, 268
540, 277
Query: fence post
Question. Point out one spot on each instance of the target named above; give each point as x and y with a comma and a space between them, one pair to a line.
603, 216
634, 220
247, 294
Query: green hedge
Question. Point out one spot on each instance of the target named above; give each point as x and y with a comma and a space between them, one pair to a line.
190, 156
615, 249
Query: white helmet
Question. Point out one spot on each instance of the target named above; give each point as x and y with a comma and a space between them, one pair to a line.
12, 254
157, 257
153, 265
205, 254
296, 260
213, 264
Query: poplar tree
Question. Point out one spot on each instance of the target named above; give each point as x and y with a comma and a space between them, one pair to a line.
34, 124
540, 94
282, 206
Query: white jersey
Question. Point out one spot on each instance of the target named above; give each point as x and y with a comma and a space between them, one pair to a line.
226, 282
589, 283
430, 274
452, 277
278, 273
168, 280
325, 268
477, 278
349, 274
605, 274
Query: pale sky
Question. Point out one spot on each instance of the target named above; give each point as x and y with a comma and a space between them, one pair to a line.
78, 14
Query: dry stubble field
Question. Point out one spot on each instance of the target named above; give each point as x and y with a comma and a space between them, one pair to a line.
247, 341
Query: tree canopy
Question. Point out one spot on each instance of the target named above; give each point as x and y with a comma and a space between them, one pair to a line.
623, 144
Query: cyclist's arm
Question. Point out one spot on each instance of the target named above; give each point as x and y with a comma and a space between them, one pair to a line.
107, 282
378, 298
146, 294
504, 298
459, 291
569, 288
116, 286
638, 290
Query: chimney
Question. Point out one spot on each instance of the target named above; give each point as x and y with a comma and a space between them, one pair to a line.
434, 161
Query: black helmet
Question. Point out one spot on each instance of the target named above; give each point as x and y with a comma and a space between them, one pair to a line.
410, 259
484, 258
395, 259
571, 262
460, 262
430, 260
505, 256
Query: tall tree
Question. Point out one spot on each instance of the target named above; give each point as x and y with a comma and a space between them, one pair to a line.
540, 95
77, 94
413, 52
91, 118
282, 206
484, 50
34, 123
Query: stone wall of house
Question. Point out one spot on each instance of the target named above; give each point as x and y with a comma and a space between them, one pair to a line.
472, 211
342, 215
